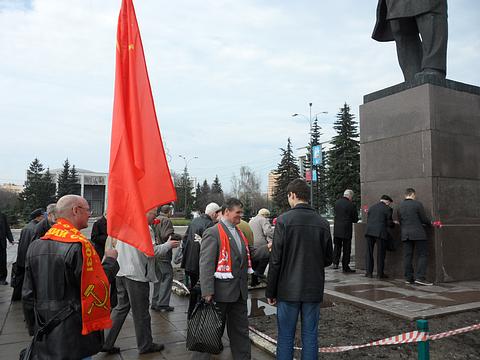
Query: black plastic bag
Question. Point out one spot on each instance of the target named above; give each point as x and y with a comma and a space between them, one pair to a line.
205, 329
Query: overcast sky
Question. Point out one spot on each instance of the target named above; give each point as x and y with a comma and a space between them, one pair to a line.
226, 76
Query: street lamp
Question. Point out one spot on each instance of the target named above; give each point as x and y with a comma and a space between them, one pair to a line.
185, 184
311, 147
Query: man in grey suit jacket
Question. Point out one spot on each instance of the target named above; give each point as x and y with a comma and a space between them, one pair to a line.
413, 220
403, 21
230, 295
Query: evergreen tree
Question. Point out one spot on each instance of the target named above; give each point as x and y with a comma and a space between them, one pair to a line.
343, 158
204, 197
216, 192
64, 180
287, 171
198, 192
185, 199
39, 188
73, 185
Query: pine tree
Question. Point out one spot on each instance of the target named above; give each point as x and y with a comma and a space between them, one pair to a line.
216, 192
39, 189
204, 196
183, 187
198, 195
287, 171
73, 185
343, 158
64, 180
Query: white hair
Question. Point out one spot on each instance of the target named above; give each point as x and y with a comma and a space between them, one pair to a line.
348, 193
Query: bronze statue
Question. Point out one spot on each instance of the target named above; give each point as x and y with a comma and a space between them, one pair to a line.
405, 21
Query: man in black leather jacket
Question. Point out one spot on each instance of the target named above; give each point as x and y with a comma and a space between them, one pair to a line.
53, 272
302, 248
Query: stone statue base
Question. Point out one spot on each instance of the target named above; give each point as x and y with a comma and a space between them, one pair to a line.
425, 134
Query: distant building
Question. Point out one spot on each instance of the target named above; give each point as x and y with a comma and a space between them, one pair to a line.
12, 188
93, 187
272, 182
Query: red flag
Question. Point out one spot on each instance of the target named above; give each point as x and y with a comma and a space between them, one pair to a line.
139, 178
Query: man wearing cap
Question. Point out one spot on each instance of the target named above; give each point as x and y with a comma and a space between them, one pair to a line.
164, 233
378, 220
191, 243
5, 233
46, 223
26, 237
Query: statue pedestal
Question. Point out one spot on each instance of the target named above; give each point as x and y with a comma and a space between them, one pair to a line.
425, 135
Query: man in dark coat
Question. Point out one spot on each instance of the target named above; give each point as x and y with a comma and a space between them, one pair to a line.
46, 223
413, 220
302, 248
191, 241
345, 215
99, 235
403, 21
52, 285
378, 221
26, 237
5, 234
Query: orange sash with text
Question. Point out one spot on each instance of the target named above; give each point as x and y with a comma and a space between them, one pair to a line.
94, 286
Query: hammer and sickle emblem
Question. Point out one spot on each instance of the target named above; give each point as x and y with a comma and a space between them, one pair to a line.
97, 301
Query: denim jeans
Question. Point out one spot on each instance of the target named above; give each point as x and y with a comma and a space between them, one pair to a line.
287, 316
421, 248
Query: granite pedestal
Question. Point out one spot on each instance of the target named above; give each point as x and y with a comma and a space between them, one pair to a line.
426, 135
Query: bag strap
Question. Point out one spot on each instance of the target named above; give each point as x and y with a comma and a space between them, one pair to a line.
58, 318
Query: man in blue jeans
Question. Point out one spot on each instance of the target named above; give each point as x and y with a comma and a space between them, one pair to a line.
302, 248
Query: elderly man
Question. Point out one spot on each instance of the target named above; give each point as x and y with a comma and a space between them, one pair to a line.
191, 243
133, 289
45, 224
26, 237
262, 235
162, 289
224, 265
66, 287
345, 215
5, 233
403, 21
379, 219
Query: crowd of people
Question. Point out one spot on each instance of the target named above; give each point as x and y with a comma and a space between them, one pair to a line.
87, 287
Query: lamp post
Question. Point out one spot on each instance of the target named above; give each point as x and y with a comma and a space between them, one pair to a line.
185, 184
311, 147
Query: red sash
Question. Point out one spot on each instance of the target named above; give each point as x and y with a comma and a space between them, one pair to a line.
224, 265
94, 288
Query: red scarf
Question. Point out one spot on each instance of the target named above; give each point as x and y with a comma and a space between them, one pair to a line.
94, 288
224, 265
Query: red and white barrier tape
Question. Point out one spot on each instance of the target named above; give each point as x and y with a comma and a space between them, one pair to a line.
410, 337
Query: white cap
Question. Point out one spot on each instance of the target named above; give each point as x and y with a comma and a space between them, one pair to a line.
212, 208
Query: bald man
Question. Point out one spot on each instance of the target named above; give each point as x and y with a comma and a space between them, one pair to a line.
66, 288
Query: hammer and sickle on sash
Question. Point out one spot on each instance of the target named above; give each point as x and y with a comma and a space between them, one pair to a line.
97, 301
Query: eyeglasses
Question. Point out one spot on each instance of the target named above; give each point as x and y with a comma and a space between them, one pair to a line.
86, 209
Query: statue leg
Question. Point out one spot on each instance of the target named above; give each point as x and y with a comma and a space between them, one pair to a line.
433, 28
409, 46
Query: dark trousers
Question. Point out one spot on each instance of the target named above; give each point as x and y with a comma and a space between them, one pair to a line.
132, 295
338, 244
3, 262
195, 292
235, 316
421, 247
17, 286
381, 251
260, 259
429, 52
